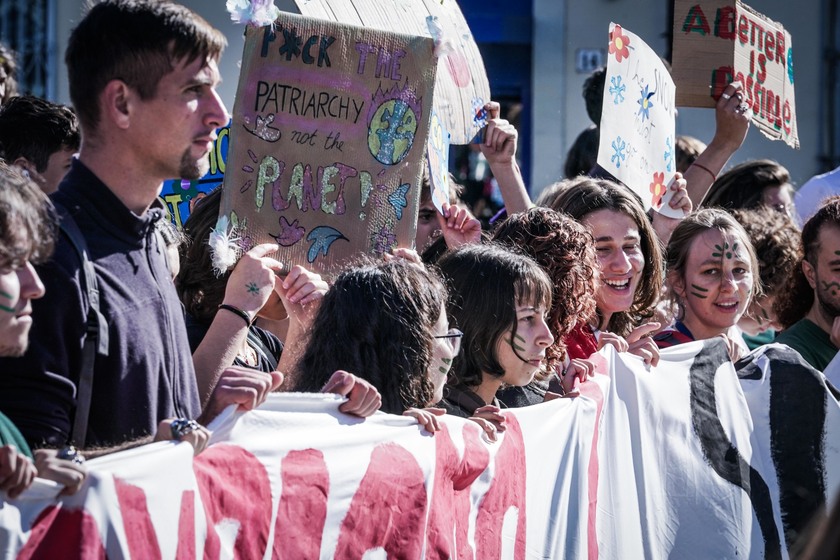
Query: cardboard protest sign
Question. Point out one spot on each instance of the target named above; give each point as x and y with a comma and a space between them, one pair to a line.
180, 195
462, 86
720, 41
328, 137
637, 119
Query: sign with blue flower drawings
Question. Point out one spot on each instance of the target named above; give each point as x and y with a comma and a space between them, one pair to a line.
327, 140
637, 120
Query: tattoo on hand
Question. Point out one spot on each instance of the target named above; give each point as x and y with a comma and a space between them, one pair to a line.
252, 288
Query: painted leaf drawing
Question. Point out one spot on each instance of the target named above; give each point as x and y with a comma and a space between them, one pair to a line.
322, 237
289, 233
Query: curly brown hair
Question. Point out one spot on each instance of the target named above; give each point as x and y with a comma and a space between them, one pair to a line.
797, 297
776, 240
564, 248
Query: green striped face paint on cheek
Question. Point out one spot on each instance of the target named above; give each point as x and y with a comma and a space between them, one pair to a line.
514, 345
5, 296
698, 291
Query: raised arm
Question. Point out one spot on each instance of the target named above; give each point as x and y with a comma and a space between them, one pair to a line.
499, 148
732, 122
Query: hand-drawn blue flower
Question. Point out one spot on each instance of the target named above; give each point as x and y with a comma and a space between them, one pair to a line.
617, 89
669, 154
619, 146
645, 103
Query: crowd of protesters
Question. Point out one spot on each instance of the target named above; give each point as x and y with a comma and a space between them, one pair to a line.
102, 350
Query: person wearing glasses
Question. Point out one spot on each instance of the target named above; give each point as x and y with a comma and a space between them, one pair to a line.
385, 322
500, 300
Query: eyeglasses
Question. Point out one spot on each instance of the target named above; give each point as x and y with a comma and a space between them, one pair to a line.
453, 338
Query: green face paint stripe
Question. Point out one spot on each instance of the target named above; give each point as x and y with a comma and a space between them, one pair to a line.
517, 337
446, 361
443, 370
699, 289
829, 285
5, 295
701, 296
7, 309
515, 346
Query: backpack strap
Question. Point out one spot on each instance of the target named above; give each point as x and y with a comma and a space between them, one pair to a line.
96, 333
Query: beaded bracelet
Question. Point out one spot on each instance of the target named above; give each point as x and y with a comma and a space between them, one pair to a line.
237, 311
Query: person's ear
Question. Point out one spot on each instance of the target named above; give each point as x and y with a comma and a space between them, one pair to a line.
115, 103
677, 283
25, 166
810, 273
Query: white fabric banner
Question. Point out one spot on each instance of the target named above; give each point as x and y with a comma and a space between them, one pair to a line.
682, 460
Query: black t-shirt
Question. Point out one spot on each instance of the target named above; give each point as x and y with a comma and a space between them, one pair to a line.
268, 347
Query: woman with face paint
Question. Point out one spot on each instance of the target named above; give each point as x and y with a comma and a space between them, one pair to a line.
500, 300
385, 322
712, 278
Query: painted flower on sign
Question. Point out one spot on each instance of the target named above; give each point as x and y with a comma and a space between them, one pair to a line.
619, 44
657, 189
645, 103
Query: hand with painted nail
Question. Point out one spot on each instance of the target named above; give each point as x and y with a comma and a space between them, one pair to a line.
577, 372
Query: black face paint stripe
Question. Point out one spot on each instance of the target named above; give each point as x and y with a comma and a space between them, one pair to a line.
721, 455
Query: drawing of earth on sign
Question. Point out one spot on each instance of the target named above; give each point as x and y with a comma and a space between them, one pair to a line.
392, 123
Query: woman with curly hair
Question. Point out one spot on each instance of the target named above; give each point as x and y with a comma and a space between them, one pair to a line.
775, 239
712, 279
386, 322
565, 250
500, 300
630, 266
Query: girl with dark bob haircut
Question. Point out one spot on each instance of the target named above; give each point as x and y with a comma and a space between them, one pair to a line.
761, 182
499, 299
380, 321
566, 251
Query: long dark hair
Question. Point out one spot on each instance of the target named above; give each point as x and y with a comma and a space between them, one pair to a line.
485, 282
376, 321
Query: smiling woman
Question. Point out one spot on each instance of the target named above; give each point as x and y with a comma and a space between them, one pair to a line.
712, 276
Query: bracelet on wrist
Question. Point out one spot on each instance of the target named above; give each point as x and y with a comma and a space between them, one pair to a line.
236, 311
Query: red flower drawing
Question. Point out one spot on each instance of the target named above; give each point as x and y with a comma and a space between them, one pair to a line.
619, 43
657, 189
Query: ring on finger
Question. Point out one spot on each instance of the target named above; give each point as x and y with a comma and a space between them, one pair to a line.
71, 454
726, 96
182, 427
